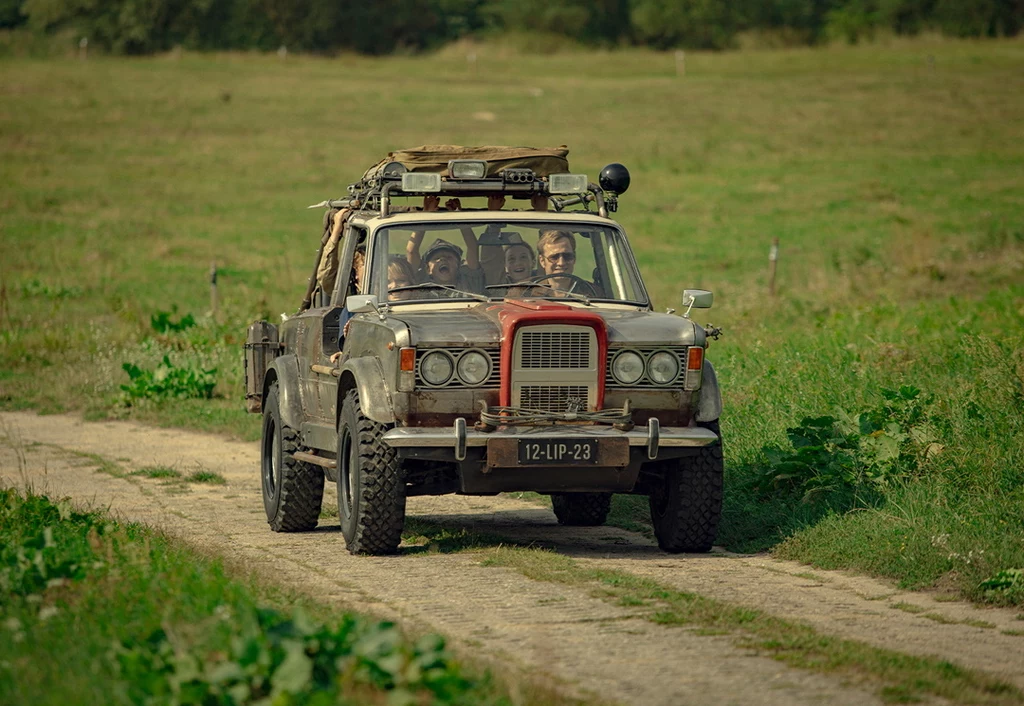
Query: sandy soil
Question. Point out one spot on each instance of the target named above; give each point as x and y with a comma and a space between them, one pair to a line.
591, 648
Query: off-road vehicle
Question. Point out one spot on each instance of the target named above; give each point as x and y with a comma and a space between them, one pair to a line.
562, 381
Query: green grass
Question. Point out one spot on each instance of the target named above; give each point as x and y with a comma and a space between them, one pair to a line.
207, 477
99, 612
892, 181
157, 472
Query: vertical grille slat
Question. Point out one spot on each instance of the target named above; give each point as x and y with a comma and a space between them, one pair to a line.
555, 367
555, 349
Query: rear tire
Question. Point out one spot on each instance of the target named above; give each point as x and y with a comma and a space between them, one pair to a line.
293, 491
686, 506
371, 485
581, 509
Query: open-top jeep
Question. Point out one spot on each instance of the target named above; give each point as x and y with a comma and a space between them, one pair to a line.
551, 373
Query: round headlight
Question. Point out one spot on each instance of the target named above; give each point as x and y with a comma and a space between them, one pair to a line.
436, 368
663, 367
474, 367
627, 367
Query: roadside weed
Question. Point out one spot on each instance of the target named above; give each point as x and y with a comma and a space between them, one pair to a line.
166, 381
866, 452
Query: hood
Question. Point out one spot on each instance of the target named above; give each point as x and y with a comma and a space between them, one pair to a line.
480, 326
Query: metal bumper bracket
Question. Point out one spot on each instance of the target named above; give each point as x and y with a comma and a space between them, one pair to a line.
460, 439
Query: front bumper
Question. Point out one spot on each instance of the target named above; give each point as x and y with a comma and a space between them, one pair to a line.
459, 437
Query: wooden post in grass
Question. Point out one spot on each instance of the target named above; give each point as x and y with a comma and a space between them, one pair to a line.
213, 288
83, 48
773, 260
680, 62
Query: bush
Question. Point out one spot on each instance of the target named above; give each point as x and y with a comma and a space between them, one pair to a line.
167, 381
866, 453
281, 659
162, 322
45, 544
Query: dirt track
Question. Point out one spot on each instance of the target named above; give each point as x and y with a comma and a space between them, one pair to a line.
595, 649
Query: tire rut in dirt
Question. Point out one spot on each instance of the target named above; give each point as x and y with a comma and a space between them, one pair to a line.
293, 491
686, 510
581, 509
373, 522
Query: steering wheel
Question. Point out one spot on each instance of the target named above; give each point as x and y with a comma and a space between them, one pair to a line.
578, 283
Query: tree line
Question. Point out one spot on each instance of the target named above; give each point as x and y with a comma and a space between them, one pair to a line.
386, 26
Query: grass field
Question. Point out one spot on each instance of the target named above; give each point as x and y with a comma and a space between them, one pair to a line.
893, 176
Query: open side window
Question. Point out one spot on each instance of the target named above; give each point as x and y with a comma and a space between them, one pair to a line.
351, 265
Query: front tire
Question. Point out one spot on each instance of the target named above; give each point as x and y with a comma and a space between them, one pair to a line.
293, 491
371, 486
581, 509
686, 506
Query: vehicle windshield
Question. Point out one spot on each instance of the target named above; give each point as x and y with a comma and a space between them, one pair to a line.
529, 259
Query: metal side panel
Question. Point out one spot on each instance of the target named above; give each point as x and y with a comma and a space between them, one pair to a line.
286, 369
374, 393
319, 436
709, 404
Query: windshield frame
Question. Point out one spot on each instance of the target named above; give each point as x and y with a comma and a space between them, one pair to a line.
619, 254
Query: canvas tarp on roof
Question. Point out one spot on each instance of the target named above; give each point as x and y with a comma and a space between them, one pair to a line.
435, 158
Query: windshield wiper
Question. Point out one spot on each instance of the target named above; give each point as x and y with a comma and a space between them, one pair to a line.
435, 285
559, 295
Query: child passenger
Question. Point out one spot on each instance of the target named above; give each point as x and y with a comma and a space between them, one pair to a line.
520, 263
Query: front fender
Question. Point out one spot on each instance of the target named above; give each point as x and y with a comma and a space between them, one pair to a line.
285, 371
367, 377
709, 404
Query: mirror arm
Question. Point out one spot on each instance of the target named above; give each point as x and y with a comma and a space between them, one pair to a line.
689, 305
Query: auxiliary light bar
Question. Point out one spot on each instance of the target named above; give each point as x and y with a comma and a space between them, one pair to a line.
467, 169
567, 184
420, 182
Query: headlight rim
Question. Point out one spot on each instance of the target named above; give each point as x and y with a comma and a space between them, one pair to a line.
444, 354
643, 366
487, 368
675, 360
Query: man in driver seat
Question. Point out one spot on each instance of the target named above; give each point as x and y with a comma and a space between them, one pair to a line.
556, 251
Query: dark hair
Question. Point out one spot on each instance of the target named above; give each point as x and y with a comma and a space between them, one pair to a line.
533, 255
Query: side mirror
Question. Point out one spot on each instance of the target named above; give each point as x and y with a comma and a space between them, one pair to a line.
697, 299
361, 303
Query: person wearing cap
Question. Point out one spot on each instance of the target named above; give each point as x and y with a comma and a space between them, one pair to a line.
442, 262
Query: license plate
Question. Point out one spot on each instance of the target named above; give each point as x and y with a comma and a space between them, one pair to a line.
545, 451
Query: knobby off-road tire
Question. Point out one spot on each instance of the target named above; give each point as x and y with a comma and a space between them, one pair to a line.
371, 485
292, 490
686, 507
581, 509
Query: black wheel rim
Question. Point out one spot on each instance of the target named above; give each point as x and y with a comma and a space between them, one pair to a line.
271, 458
346, 474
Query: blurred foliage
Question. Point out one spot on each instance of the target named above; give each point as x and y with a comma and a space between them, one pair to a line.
167, 380
155, 624
386, 26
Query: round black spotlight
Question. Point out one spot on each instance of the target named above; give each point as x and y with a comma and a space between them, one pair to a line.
614, 178
393, 170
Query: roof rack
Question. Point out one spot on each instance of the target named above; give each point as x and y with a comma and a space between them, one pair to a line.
465, 177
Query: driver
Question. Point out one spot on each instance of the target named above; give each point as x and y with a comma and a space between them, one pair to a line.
556, 251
